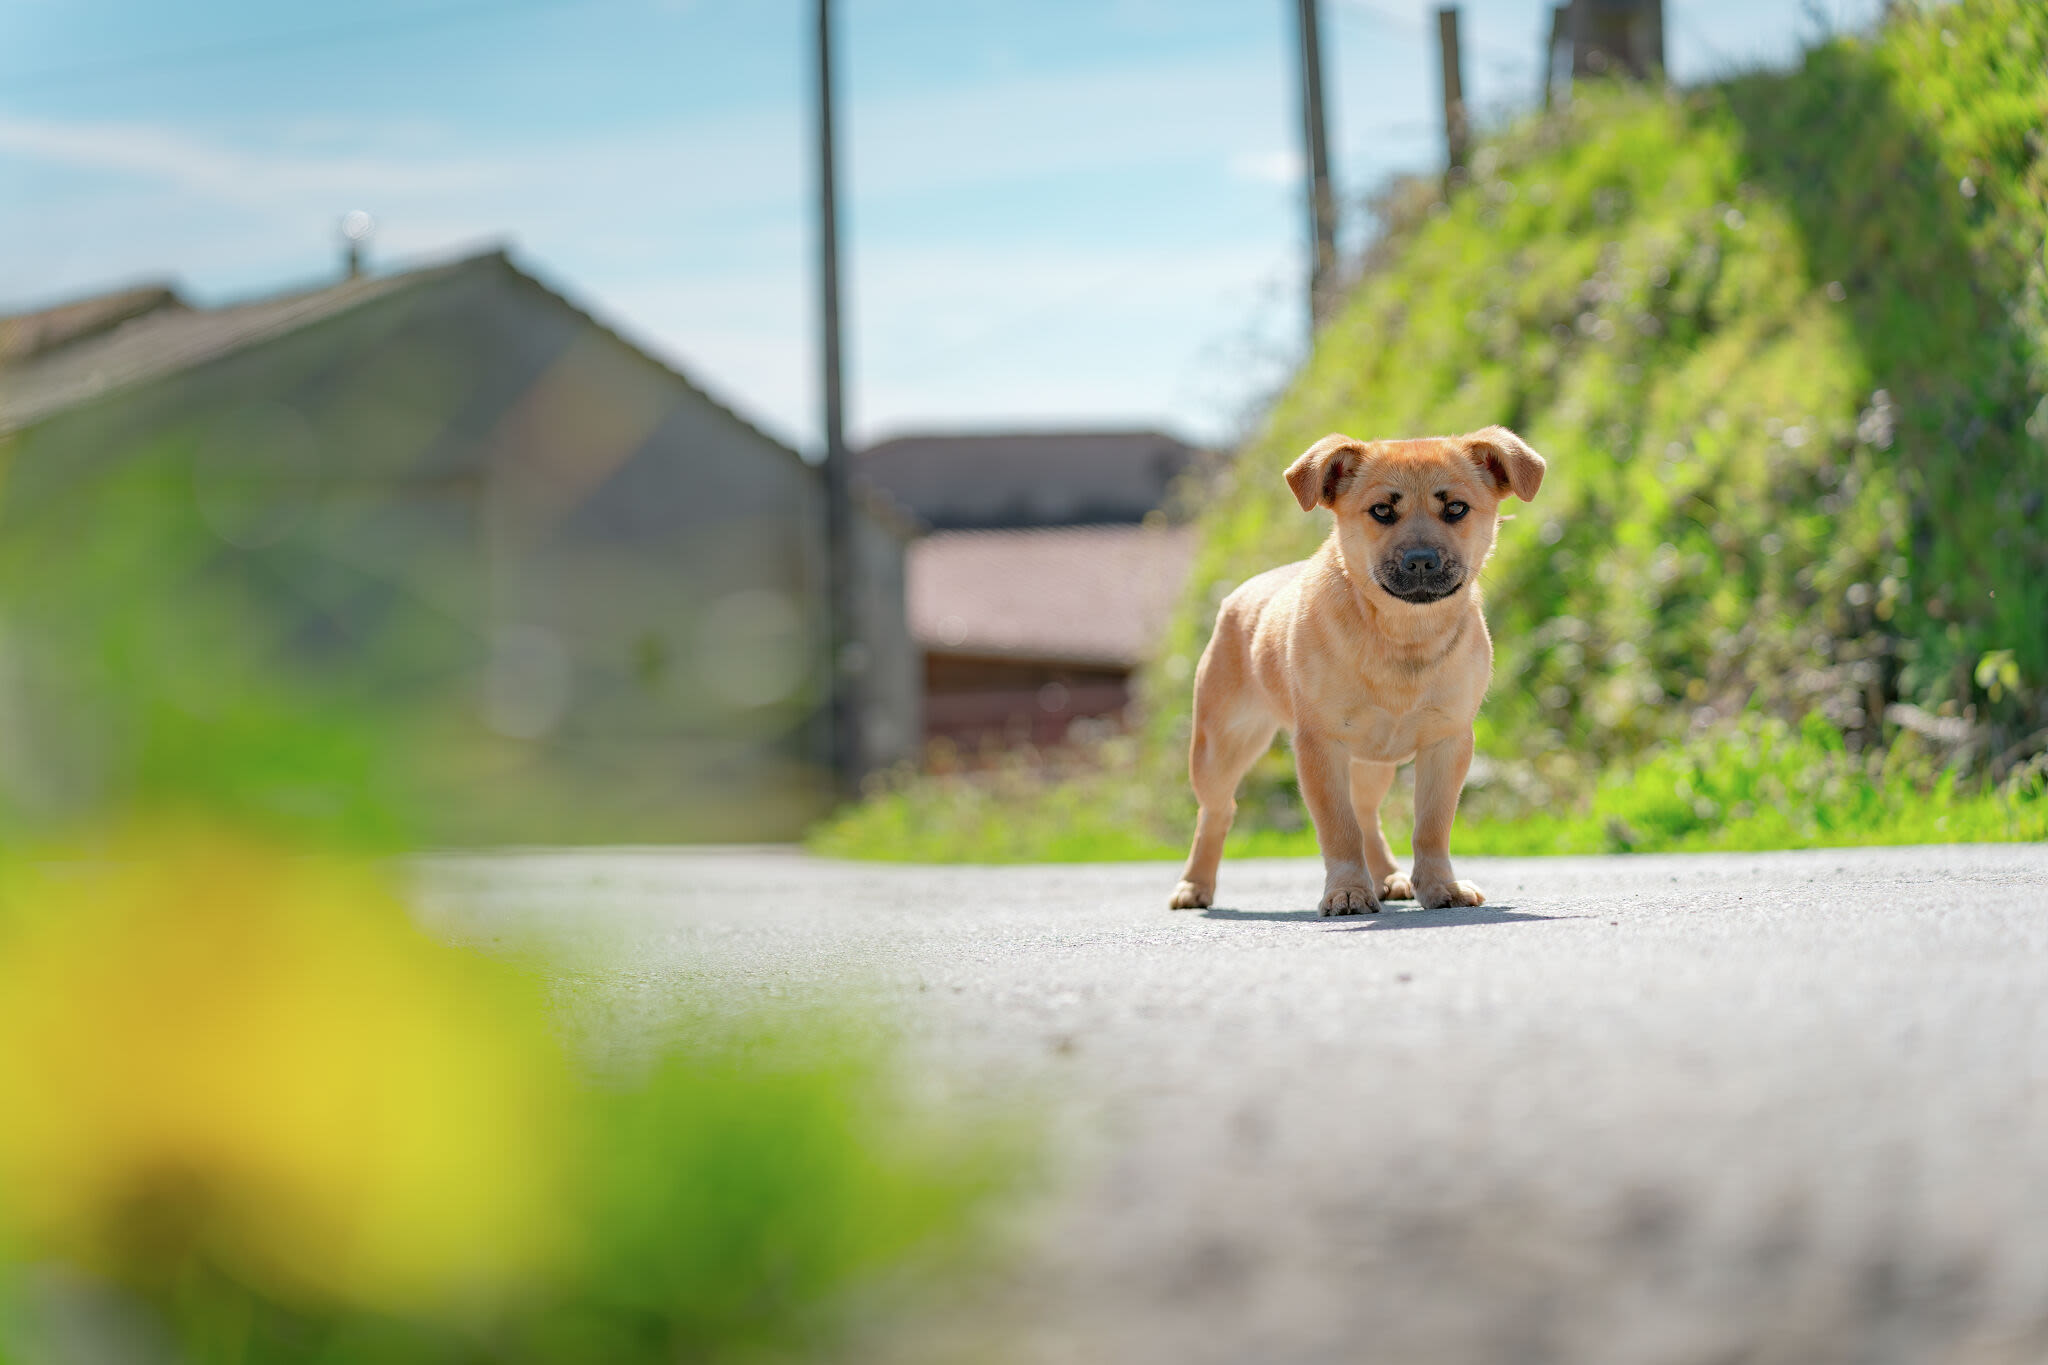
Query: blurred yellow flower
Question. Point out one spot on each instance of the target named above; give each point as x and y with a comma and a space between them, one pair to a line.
216, 1054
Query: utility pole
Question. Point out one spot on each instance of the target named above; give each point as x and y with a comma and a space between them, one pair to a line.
1456, 132
844, 656
1560, 36
1322, 205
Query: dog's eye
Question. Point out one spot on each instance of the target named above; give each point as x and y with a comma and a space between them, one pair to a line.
1455, 510
1383, 513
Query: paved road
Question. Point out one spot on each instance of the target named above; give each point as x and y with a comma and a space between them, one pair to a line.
1726, 1108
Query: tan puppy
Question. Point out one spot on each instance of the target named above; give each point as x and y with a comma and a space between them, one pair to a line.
1370, 653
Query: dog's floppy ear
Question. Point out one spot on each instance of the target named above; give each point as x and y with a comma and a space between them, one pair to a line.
1507, 460
1324, 470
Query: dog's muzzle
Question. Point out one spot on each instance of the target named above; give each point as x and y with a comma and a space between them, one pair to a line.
1420, 574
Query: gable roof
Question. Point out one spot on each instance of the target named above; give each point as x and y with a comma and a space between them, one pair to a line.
45, 329
92, 348
157, 341
1012, 479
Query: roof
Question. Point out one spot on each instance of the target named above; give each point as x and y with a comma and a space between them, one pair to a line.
94, 347
1050, 478
162, 340
27, 334
1072, 594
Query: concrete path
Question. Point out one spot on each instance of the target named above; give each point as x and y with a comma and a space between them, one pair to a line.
1758, 1108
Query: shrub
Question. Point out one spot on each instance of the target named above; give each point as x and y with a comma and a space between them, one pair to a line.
255, 1116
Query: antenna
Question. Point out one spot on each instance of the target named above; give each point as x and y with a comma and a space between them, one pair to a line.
356, 229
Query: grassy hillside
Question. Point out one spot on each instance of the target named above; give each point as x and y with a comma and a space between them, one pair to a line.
1784, 340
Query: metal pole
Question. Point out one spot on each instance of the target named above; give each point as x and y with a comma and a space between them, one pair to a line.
1322, 205
843, 636
1454, 93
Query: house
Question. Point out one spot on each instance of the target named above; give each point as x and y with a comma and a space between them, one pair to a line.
589, 595
995, 480
1053, 566
1025, 632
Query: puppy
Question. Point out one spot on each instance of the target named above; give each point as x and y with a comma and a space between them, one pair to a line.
1370, 653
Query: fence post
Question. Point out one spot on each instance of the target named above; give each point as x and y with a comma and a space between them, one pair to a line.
1560, 30
1455, 130
1322, 201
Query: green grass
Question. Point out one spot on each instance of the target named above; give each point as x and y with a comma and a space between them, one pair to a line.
1784, 341
1756, 784
1646, 288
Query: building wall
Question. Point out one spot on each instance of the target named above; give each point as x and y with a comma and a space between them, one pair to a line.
587, 596
975, 701
670, 551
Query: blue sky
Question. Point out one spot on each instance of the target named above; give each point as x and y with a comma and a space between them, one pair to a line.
1056, 210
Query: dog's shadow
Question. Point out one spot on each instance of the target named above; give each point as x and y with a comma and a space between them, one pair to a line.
1450, 917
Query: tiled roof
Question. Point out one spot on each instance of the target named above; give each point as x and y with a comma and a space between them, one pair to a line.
27, 334
73, 353
1075, 594
1053, 478
168, 338
125, 348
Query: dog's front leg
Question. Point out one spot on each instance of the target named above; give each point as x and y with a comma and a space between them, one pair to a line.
1324, 767
1369, 784
1439, 777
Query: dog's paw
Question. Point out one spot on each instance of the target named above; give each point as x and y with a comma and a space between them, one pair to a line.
1350, 900
1442, 895
1395, 886
1188, 896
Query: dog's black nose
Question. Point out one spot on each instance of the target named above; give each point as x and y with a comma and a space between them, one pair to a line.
1421, 561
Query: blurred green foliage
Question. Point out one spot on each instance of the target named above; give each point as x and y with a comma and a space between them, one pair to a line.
252, 1114
741, 1191
256, 1116
189, 621
147, 665
1784, 341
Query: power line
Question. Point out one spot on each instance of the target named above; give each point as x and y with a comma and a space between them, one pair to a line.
263, 47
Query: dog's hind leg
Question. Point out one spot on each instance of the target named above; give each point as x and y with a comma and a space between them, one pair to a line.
1369, 784
1228, 740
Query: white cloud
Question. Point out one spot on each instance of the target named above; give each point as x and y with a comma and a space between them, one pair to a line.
1018, 128
247, 179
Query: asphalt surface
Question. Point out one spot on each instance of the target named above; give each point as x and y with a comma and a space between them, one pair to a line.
1656, 1109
